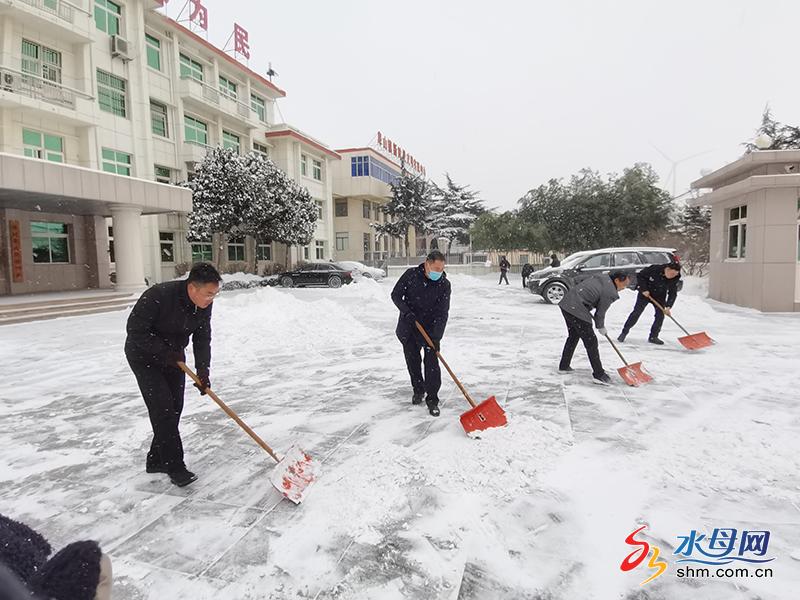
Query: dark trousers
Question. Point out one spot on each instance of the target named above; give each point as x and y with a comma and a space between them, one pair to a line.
578, 329
432, 381
523, 281
162, 390
638, 309
503, 276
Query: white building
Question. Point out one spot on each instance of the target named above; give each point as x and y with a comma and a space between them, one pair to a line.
101, 99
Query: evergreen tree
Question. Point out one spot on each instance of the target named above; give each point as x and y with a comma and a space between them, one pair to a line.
452, 211
408, 207
782, 136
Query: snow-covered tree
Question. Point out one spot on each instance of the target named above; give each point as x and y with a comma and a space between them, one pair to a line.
780, 135
408, 207
452, 210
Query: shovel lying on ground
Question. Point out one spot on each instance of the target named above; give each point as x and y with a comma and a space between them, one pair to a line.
481, 416
692, 341
634, 374
293, 474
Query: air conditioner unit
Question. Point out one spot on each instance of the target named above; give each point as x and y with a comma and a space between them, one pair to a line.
8, 82
120, 47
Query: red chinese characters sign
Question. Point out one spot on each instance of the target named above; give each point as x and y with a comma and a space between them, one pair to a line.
400, 153
199, 14
240, 40
15, 238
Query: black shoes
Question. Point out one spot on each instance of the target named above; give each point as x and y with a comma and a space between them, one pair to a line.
417, 397
564, 370
621, 337
655, 340
433, 406
434, 410
182, 478
602, 379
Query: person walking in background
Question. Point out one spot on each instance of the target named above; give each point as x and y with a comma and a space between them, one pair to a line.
504, 267
554, 262
595, 293
659, 282
158, 329
422, 294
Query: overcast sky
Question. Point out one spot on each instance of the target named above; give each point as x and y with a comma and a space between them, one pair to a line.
505, 95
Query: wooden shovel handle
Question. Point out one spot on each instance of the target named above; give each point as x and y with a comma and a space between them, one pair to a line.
229, 411
614, 346
430, 343
664, 310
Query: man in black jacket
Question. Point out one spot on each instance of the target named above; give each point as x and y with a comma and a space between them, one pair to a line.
158, 332
595, 293
504, 267
423, 294
659, 282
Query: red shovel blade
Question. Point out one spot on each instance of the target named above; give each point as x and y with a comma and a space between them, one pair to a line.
635, 374
487, 414
293, 474
696, 341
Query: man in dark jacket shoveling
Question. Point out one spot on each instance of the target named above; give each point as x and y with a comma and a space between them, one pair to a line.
423, 294
659, 282
158, 332
597, 293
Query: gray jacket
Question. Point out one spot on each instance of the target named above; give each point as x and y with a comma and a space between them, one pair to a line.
596, 292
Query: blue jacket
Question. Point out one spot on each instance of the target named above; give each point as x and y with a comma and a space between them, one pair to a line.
429, 300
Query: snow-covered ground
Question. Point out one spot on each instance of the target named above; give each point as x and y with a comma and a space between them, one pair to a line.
407, 506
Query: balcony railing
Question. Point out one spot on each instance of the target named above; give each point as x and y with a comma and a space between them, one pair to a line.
214, 96
60, 8
35, 86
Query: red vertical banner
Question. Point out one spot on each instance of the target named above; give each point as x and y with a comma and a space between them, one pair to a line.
15, 238
379, 138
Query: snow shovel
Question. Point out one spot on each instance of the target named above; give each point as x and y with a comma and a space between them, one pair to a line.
293, 474
481, 416
635, 374
691, 341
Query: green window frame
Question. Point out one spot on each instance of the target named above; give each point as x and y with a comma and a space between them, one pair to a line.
195, 131
228, 88
43, 146
50, 242
117, 162
111, 93
107, 16
153, 46
258, 104
191, 68
202, 252
163, 174
41, 61
261, 149
236, 250
158, 119
317, 170
231, 140
303, 165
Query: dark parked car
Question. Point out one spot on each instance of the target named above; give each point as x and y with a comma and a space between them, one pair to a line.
553, 282
329, 274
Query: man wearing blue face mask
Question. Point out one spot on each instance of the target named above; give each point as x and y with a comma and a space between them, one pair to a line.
423, 294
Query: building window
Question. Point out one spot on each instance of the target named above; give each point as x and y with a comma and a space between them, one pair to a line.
50, 242
261, 149
228, 88
365, 209
263, 251
359, 166
195, 131
41, 61
191, 68
111, 244
318, 170
202, 252
303, 165
163, 174
153, 46
167, 241
305, 253
230, 140
341, 208
342, 241
111, 93
107, 16
43, 145
320, 248
158, 119
236, 249
366, 244
319, 209
737, 232
116, 162
259, 105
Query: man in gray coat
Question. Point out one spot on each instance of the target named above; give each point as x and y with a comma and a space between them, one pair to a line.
595, 293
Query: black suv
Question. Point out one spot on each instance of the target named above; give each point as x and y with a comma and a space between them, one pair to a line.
329, 274
552, 283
